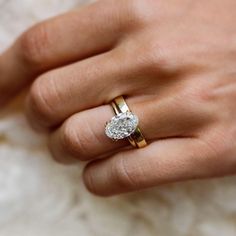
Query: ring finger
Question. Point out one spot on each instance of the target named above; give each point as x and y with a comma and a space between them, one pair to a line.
82, 136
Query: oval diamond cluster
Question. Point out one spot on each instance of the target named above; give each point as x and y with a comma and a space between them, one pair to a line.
121, 126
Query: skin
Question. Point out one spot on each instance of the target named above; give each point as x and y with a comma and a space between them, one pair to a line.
174, 62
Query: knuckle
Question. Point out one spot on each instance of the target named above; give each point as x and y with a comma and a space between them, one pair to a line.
34, 45
77, 143
139, 12
40, 99
123, 174
154, 59
196, 94
90, 182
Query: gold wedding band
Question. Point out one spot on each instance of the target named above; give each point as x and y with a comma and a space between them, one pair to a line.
125, 124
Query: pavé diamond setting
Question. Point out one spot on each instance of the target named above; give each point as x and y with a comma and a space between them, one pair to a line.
122, 125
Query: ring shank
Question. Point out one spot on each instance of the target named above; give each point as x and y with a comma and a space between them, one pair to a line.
136, 139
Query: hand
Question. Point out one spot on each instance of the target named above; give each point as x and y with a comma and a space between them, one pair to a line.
174, 61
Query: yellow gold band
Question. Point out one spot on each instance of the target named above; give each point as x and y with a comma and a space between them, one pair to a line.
136, 139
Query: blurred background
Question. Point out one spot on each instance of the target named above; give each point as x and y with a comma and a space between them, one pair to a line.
39, 197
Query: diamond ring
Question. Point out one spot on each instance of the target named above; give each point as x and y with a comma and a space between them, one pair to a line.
124, 124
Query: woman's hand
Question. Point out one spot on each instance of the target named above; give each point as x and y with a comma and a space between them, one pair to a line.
175, 61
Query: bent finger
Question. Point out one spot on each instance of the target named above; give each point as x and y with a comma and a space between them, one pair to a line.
163, 161
59, 41
82, 136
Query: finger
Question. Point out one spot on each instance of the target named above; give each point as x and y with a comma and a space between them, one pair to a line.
58, 41
161, 162
82, 136
60, 93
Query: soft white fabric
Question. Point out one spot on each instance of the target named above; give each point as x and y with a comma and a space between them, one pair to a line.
41, 198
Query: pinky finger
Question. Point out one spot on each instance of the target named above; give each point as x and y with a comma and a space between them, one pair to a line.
163, 161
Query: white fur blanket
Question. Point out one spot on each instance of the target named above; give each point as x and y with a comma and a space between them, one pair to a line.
39, 197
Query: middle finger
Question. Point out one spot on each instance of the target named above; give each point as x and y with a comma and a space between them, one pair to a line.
60, 93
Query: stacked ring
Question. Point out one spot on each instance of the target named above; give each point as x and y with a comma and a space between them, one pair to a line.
124, 124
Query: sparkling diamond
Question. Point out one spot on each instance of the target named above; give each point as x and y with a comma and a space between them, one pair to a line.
121, 126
